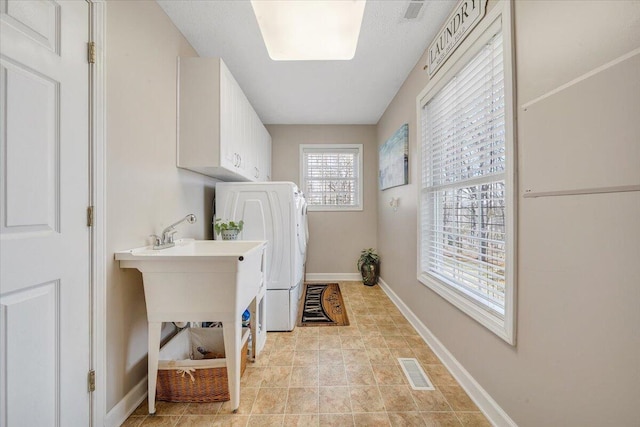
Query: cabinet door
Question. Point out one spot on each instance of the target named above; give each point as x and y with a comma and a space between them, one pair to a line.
245, 143
228, 120
264, 160
234, 135
267, 157
256, 146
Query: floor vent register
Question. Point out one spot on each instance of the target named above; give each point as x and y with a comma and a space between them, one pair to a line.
416, 376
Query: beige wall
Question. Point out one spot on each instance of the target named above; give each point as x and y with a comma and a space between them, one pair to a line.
145, 190
576, 361
335, 238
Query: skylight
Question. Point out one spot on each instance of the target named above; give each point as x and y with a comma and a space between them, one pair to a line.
309, 30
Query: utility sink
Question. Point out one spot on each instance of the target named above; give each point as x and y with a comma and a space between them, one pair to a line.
190, 248
203, 281
194, 278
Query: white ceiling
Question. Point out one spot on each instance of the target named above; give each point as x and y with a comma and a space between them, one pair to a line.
313, 92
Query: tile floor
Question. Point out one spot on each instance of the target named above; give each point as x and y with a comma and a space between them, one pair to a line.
335, 376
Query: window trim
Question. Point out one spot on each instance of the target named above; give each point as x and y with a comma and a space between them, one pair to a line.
499, 15
360, 181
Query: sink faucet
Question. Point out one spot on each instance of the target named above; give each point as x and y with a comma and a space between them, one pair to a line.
165, 240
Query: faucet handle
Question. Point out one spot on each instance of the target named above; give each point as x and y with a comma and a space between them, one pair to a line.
157, 241
169, 236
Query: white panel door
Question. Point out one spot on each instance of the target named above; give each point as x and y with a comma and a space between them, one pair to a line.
44, 193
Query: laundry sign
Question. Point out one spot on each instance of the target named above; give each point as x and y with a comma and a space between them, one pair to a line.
466, 15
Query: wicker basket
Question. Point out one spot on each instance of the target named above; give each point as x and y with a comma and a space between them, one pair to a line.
182, 379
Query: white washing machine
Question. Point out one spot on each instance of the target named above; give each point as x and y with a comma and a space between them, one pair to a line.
275, 212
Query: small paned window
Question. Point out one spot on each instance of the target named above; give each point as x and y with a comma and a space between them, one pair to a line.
331, 176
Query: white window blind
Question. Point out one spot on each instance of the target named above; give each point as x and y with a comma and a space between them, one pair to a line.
463, 234
331, 176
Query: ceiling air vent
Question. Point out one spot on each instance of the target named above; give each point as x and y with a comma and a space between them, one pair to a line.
413, 9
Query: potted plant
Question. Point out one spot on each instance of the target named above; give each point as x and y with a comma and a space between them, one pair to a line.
228, 229
369, 266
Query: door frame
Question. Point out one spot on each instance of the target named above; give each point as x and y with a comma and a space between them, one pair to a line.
97, 189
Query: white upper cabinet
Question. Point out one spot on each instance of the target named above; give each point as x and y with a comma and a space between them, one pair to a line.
219, 132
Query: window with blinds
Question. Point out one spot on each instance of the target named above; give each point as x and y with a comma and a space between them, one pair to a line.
330, 176
463, 218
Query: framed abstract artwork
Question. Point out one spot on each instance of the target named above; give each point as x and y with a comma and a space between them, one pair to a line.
393, 159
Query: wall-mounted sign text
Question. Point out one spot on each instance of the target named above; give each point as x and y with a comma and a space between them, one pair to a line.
466, 15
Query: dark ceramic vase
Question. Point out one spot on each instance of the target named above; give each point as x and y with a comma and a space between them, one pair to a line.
369, 274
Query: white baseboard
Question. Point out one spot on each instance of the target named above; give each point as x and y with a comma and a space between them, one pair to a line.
119, 414
314, 277
494, 413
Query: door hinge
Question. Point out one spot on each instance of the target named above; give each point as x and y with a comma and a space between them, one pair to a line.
92, 380
90, 216
91, 52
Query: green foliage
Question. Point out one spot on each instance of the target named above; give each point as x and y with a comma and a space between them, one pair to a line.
368, 256
227, 225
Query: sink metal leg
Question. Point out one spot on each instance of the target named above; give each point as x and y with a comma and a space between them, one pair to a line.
253, 308
232, 332
154, 351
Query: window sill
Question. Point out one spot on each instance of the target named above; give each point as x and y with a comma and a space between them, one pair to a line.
311, 208
501, 327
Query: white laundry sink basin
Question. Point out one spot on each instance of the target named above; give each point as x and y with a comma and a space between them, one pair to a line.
190, 248
195, 278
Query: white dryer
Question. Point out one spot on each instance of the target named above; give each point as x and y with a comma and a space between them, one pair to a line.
275, 212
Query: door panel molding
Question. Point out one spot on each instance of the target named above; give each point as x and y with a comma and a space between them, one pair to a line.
30, 195
40, 21
30, 319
